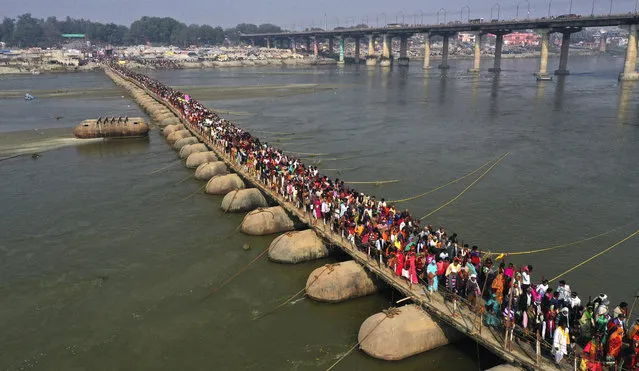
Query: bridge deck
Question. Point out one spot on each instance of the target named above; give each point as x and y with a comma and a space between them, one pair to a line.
452, 27
461, 317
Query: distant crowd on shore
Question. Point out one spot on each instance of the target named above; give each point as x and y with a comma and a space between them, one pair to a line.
425, 256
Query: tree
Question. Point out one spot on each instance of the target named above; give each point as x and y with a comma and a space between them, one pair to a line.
268, 28
211, 36
246, 28
6, 30
27, 31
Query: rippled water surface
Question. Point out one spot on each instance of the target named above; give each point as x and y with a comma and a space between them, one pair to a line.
105, 260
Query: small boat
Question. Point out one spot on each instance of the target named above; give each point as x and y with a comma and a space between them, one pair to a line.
28, 96
112, 127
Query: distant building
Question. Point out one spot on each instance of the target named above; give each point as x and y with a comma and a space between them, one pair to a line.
522, 39
466, 37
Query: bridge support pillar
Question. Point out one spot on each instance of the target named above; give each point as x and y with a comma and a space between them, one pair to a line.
341, 50
563, 57
331, 45
268, 42
630, 67
477, 54
371, 58
444, 65
386, 62
357, 41
426, 51
308, 46
403, 51
315, 47
543, 63
293, 44
499, 46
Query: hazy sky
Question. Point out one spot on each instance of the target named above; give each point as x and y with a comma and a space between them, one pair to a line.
300, 13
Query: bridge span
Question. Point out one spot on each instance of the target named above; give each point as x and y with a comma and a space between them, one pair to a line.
511, 343
544, 26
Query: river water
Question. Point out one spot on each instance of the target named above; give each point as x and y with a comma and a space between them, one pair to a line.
105, 259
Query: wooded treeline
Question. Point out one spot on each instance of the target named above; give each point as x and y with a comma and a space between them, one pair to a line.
27, 31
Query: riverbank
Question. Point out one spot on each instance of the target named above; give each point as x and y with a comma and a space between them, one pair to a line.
301, 61
36, 69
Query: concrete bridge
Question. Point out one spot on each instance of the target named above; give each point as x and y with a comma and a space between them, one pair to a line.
544, 26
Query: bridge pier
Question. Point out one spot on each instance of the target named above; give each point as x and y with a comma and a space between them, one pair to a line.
293, 44
444, 65
543, 62
331, 45
403, 51
477, 54
499, 46
565, 50
357, 42
341, 50
385, 62
371, 58
308, 46
426, 51
315, 46
268, 42
630, 66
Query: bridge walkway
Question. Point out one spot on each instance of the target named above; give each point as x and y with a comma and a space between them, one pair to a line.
459, 316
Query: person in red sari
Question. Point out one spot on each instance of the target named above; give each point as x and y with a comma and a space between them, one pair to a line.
590, 355
412, 267
400, 262
634, 345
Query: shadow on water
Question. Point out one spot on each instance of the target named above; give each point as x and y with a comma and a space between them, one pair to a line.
560, 88
115, 147
443, 81
493, 109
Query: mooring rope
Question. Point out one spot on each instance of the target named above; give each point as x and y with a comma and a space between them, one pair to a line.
376, 182
597, 255
165, 167
391, 312
502, 254
235, 275
232, 199
343, 169
442, 186
192, 194
326, 267
184, 180
465, 189
308, 154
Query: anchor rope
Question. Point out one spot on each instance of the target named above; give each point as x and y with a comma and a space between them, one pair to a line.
165, 167
235, 275
596, 255
502, 254
442, 186
376, 182
364, 338
465, 189
192, 194
326, 267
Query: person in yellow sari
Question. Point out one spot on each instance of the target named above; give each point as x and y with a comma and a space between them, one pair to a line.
615, 342
498, 286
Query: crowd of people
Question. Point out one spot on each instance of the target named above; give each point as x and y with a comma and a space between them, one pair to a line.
508, 296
